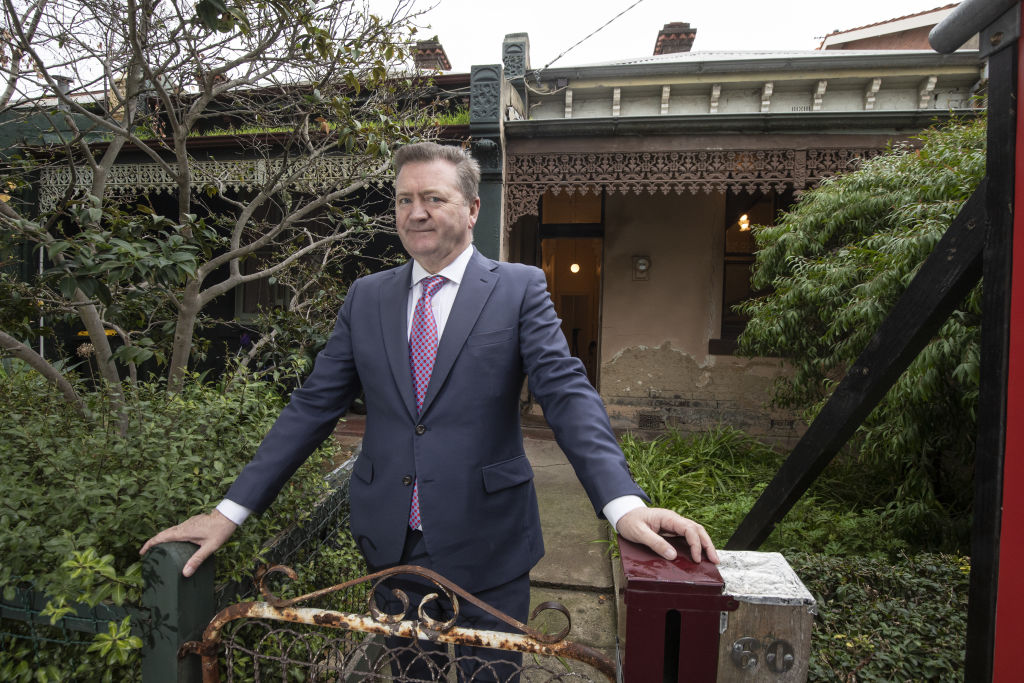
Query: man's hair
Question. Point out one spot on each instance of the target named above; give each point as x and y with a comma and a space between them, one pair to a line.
466, 167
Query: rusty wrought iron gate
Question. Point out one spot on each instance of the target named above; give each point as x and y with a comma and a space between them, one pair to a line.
286, 639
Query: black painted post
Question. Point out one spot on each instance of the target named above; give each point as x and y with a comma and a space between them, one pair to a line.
179, 611
486, 84
999, 43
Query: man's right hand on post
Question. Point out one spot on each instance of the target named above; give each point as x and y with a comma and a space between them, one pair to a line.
209, 532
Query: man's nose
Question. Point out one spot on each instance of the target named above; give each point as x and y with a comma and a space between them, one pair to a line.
418, 210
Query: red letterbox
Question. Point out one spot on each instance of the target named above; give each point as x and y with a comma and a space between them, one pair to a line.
673, 615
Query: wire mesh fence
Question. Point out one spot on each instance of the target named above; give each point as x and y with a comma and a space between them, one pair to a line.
259, 650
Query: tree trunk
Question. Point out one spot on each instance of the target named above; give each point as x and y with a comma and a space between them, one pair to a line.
104, 357
26, 353
101, 343
184, 331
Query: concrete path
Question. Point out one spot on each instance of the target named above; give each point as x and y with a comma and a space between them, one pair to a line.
576, 570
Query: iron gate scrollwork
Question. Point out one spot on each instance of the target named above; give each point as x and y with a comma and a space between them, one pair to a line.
330, 645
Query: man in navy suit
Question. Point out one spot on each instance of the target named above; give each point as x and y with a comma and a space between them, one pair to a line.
454, 450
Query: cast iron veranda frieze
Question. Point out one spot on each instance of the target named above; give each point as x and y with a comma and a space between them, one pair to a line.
127, 181
529, 176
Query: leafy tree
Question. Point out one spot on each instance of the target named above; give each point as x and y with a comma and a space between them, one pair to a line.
836, 263
290, 86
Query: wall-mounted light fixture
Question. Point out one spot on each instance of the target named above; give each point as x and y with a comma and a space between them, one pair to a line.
574, 268
641, 267
744, 222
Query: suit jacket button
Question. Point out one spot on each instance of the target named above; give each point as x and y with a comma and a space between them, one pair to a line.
421, 429
407, 480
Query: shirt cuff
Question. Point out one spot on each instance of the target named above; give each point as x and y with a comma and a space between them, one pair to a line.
237, 513
617, 507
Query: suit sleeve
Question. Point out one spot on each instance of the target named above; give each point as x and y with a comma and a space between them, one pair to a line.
571, 405
307, 420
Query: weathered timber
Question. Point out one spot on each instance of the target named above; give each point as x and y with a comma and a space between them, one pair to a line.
768, 637
990, 445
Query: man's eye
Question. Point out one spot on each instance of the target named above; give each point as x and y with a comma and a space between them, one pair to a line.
435, 200
404, 201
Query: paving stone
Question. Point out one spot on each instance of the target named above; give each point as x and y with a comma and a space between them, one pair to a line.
575, 540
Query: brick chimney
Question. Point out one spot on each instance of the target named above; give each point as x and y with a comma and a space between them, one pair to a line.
430, 56
675, 37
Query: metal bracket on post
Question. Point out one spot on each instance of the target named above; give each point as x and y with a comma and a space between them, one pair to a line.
966, 19
1001, 33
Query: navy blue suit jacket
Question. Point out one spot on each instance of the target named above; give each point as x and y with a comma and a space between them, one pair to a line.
480, 520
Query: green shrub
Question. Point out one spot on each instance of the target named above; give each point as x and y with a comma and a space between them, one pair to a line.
834, 266
883, 614
717, 476
80, 499
886, 621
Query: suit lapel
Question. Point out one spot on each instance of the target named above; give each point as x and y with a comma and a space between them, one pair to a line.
394, 317
474, 290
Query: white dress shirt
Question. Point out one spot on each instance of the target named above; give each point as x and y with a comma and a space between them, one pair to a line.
441, 305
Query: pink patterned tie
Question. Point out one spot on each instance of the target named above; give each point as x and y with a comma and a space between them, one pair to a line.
422, 351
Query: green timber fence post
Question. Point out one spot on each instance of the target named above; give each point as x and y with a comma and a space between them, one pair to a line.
179, 611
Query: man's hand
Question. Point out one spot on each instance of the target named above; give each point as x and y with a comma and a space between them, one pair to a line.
645, 525
208, 531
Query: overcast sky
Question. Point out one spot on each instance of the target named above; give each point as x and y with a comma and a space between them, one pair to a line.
472, 30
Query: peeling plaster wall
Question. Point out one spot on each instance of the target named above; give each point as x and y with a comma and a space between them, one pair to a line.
653, 388
656, 371
679, 302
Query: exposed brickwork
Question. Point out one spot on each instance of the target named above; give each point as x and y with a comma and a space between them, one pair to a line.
430, 56
643, 383
676, 36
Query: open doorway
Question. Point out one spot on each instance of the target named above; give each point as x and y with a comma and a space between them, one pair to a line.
573, 269
571, 234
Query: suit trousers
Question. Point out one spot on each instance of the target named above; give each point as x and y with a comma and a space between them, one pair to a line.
426, 661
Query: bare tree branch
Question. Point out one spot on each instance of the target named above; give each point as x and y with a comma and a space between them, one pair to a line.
302, 85
26, 353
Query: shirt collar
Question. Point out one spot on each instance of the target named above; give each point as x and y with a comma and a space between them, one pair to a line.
453, 272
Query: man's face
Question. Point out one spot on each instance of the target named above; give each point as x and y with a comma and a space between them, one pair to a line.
435, 223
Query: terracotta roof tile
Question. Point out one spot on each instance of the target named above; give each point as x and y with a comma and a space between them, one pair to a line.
889, 21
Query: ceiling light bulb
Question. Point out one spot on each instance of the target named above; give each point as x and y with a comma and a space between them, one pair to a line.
574, 268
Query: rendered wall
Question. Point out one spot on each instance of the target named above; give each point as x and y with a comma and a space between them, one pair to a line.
656, 371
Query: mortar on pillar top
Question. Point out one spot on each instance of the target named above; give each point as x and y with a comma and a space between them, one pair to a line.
769, 636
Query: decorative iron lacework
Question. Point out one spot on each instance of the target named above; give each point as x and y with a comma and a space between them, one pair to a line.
132, 180
528, 176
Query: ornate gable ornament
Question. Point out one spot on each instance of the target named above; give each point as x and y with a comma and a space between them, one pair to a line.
529, 176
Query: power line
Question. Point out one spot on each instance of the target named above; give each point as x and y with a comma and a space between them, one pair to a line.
592, 34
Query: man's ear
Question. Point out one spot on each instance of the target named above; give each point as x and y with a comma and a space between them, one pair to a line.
474, 212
